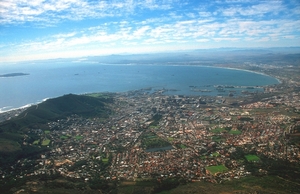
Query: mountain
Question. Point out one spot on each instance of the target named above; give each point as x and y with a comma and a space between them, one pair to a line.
13, 132
57, 108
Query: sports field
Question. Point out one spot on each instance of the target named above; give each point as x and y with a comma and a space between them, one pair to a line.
46, 142
252, 158
216, 169
105, 160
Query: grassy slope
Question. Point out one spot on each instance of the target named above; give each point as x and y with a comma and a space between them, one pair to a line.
267, 185
37, 116
247, 185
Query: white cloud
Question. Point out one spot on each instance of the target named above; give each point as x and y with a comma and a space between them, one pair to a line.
202, 40
186, 22
66, 35
205, 14
289, 37
46, 10
253, 9
135, 33
226, 39
141, 31
120, 23
263, 39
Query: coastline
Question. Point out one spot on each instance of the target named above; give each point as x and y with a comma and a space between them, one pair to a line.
6, 109
232, 68
2, 110
21, 107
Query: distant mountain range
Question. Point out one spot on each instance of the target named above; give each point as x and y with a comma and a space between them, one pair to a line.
203, 56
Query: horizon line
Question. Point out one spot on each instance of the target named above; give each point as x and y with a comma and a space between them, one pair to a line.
149, 52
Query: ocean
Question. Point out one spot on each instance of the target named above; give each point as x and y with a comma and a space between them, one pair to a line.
48, 81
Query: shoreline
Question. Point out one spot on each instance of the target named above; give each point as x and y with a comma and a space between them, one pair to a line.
232, 68
6, 110
2, 110
22, 107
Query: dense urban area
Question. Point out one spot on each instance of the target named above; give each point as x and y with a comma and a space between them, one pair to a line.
153, 136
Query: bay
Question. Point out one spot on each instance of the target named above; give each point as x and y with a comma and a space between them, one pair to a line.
47, 81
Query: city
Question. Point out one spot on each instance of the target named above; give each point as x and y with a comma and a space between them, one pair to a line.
155, 136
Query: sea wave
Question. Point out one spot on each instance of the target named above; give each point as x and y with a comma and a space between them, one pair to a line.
11, 108
6, 108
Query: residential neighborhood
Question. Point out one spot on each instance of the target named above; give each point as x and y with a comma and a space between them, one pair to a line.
152, 135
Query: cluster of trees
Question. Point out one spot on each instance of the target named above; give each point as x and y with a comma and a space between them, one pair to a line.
30, 152
151, 140
155, 120
154, 143
276, 167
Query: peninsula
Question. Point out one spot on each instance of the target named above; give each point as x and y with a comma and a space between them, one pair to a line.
13, 74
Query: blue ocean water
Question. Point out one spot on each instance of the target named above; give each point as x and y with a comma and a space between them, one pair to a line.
46, 81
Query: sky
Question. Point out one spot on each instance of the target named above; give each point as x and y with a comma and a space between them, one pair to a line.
47, 29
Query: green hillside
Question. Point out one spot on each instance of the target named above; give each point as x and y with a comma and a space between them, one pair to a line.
37, 116
13, 132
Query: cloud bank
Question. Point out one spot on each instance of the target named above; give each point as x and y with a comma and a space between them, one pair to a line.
37, 29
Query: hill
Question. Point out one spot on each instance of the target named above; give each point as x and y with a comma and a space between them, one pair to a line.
38, 115
14, 131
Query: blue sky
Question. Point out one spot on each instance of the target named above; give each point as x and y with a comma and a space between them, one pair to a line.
44, 29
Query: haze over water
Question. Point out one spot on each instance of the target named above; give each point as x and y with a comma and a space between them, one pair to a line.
47, 82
